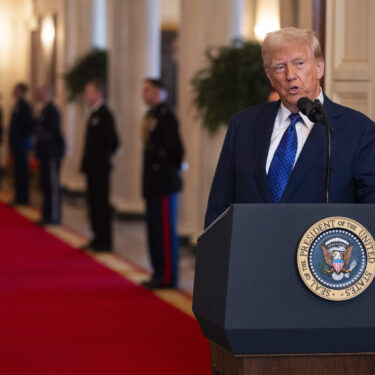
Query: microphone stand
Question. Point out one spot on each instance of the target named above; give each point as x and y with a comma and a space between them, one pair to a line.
316, 113
326, 123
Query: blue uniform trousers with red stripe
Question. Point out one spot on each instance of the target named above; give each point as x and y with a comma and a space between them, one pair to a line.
162, 236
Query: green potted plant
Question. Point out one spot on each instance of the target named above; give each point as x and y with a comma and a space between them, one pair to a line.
92, 65
234, 79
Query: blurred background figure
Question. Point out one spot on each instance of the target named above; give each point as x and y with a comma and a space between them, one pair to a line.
49, 150
101, 142
20, 129
1, 121
1, 141
163, 152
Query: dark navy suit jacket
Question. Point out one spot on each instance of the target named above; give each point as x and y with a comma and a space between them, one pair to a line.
240, 176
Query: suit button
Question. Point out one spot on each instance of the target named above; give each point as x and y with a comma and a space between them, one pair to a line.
155, 167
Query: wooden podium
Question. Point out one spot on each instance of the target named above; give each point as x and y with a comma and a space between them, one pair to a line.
253, 307
224, 362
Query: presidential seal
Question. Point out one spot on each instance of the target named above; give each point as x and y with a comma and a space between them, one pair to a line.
336, 258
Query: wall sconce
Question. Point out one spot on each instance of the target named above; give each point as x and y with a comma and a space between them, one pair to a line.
267, 18
47, 54
48, 31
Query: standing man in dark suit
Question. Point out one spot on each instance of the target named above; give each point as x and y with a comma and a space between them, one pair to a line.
163, 152
49, 149
272, 153
20, 129
1, 142
100, 143
1, 122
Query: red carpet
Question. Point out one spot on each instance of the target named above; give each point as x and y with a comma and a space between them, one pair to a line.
63, 313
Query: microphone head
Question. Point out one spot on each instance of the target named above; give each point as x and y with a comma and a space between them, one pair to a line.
313, 110
304, 105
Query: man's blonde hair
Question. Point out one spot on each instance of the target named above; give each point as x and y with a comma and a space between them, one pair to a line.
276, 39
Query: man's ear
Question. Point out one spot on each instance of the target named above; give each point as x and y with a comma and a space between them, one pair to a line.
320, 68
270, 78
268, 73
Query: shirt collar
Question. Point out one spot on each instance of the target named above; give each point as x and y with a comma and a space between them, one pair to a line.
285, 112
97, 105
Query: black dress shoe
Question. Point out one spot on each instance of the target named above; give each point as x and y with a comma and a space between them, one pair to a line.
88, 246
101, 248
155, 284
46, 222
17, 203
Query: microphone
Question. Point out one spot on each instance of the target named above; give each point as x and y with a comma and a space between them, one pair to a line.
312, 109
315, 112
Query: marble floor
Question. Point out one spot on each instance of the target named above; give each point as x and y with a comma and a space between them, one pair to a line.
129, 240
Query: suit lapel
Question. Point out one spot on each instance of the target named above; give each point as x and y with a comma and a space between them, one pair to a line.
314, 148
263, 132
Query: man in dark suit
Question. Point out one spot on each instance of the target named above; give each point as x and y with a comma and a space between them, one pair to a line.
20, 129
1, 142
49, 149
101, 142
1, 122
162, 157
272, 153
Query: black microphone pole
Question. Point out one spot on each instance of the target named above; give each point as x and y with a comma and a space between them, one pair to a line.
329, 154
316, 113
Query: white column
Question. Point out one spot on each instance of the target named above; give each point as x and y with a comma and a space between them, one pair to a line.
248, 19
134, 54
99, 34
14, 58
78, 41
202, 149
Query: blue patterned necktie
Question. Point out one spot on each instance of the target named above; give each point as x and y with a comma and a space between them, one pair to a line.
283, 160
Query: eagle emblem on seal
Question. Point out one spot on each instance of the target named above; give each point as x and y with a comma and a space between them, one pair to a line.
337, 253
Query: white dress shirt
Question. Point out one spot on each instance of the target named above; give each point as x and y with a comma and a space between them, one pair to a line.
282, 122
97, 105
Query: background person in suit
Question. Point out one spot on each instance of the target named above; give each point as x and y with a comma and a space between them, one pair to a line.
1, 141
101, 142
20, 129
49, 149
263, 140
1, 121
162, 157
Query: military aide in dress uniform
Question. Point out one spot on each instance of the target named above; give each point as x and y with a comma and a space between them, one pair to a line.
100, 143
49, 149
163, 152
20, 129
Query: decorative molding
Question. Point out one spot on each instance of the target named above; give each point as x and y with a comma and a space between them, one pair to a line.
356, 95
351, 37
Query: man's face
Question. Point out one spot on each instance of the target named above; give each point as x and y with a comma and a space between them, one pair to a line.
92, 94
150, 94
295, 73
18, 92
